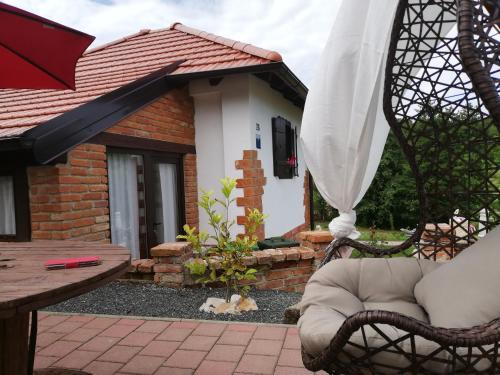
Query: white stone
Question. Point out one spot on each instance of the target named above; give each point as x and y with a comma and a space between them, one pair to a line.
236, 306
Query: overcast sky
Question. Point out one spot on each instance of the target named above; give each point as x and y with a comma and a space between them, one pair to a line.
298, 29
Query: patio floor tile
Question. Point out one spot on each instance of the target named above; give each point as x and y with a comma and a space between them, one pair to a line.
120, 354
81, 318
226, 353
131, 322
230, 337
153, 326
65, 327
175, 334
42, 361
264, 347
143, 365
77, 359
208, 329
103, 368
59, 348
213, 367
204, 343
173, 371
188, 324
256, 364
46, 338
82, 334
138, 339
125, 346
292, 342
160, 348
291, 371
290, 357
52, 320
101, 323
186, 359
270, 333
99, 344
118, 330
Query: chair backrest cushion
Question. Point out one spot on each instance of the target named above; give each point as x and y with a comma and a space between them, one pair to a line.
466, 291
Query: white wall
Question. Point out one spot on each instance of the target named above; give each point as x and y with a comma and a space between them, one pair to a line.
225, 121
283, 199
222, 132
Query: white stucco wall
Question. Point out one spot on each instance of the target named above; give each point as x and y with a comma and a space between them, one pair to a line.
225, 119
222, 132
283, 199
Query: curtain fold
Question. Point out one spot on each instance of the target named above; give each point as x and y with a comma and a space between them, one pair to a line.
123, 199
343, 127
168, 187
7, 207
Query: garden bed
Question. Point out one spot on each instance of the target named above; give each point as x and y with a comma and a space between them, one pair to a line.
147, 299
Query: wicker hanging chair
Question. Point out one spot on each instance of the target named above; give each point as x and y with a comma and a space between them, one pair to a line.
446, 118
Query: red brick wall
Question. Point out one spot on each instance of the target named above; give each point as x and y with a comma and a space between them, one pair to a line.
252, 183
169, 119
70, 201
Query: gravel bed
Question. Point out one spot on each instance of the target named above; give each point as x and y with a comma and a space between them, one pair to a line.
147, 299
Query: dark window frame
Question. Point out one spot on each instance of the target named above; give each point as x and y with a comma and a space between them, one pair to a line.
149, 157
284, 140
21, 203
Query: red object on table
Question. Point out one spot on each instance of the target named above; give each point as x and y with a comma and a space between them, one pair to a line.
54, 264
36, 53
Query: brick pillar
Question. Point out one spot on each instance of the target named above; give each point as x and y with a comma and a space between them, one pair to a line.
252, 183
307, 201
169, 259
318, 240
191, 190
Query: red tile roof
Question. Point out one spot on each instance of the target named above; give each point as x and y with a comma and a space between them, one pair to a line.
110, 66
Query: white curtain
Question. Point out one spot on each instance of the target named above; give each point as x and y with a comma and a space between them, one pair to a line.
7, 209
123, 198
343, 127
168, 187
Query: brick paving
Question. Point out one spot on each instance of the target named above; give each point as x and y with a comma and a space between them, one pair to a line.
119, 346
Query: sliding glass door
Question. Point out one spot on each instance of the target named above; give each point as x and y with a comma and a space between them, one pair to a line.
145, 194
7, 207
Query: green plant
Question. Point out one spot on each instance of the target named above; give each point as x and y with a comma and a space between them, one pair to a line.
223, 259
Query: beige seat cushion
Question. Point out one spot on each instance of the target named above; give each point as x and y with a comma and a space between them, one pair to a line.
466, 291
346, 286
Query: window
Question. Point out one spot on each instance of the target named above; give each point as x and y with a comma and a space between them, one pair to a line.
14, 204
7, 207
145, 195
284, 149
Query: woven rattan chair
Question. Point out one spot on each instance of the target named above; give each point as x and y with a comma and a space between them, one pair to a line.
446, 118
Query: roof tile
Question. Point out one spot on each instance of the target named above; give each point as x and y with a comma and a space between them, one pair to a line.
112, 65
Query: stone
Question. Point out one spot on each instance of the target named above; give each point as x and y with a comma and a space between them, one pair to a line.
306, 253
292, 253
276, 255
145, 265
170, 249
236, 306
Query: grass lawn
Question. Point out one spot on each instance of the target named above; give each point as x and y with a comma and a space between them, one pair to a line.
380, 234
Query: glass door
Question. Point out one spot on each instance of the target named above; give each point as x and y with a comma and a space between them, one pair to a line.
165, 205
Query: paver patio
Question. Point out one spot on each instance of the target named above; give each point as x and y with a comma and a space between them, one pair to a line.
104, 345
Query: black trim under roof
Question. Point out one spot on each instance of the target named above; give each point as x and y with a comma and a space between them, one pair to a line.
49, 140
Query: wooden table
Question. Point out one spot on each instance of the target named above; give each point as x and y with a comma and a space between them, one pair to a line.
25, 285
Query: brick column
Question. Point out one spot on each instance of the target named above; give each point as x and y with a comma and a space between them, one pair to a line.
317, 240
169, 259
252, 183
191, 190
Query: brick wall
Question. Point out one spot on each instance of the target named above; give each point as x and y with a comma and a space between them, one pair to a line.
70, 200
252, 183
191, 190
168, 119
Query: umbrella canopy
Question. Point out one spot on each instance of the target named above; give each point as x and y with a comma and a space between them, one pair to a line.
37, 53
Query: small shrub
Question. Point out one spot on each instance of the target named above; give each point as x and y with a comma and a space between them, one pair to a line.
223, 261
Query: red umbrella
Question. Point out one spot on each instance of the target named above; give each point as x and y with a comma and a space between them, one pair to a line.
37, 53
